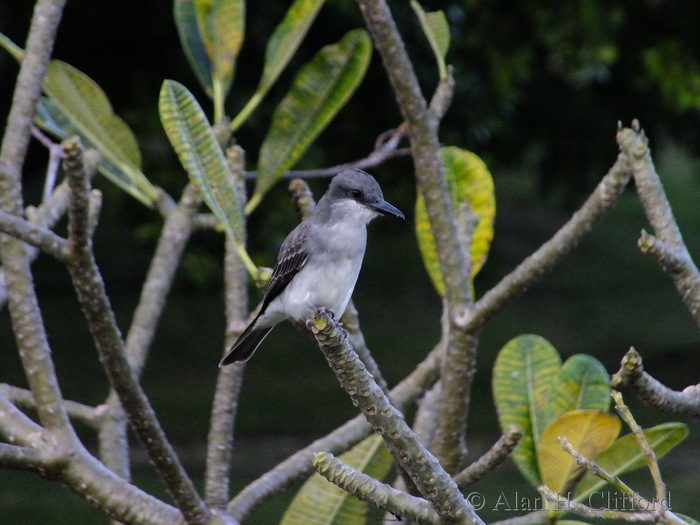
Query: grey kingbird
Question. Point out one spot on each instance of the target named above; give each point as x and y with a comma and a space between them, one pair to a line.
319, 261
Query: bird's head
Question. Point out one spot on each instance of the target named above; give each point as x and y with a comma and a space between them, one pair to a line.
355, 189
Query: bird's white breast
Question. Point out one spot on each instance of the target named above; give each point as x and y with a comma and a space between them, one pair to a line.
328, 278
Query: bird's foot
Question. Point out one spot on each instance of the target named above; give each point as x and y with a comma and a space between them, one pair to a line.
322, 311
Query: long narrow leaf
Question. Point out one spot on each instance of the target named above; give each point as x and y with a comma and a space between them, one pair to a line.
194, 142
437, 31
76, 105
281, 47
319, 91
211, 33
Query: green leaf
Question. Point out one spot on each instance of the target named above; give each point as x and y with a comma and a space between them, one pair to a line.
194, 142
319, 91
281, 47
75, 105
468, 181
522, 374
581, 382
211, 33
589, 432
437, 30
625, 455
320, 502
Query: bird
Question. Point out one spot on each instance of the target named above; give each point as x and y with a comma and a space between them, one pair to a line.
319, 261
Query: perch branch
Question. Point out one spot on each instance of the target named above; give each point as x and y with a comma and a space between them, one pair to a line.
652, 392
103, 327
298, 465
304, 203
368, 489
430, 478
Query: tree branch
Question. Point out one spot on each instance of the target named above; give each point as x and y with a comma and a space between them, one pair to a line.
430, 478
652, 392
23, 304
669, 249
93, 298
77, 411
496, 455
561, 244
42, 238
647, 450
368, 489
298, 465
422, 128
230, 379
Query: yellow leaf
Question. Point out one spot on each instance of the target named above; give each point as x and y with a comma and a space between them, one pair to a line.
468, 181
590, 432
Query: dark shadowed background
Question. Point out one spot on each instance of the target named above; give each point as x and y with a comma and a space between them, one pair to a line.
539, 90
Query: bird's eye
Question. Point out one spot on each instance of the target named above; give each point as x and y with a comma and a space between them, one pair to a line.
356, 194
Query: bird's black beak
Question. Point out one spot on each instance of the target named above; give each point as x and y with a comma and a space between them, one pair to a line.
385, 208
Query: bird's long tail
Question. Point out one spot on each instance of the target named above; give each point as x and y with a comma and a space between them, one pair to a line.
246, 345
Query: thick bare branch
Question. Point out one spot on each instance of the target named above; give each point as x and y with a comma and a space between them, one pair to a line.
433, 482
368, 489
23, 305
422, 127
561, 244
668, 249
340, 440
103, 327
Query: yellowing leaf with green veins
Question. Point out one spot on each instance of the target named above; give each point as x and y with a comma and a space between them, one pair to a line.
522, 374
589, 432
437, 30
211, 33
76, 105
281, 46
581, 382
318, 92
194, 142
625, 455
471, 186
320, 502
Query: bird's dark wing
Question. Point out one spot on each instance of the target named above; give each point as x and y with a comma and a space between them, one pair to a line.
292, 257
